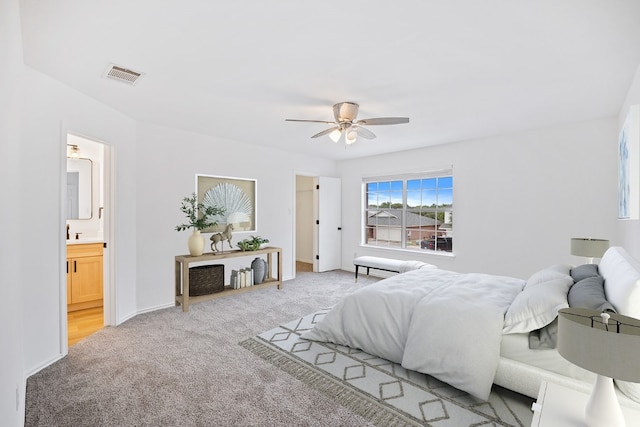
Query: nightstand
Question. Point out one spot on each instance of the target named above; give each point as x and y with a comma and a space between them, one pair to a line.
561, 406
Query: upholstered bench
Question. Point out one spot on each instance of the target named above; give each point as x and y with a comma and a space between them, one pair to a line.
386, 264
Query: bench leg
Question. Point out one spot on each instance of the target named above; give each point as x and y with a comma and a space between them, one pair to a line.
356, 274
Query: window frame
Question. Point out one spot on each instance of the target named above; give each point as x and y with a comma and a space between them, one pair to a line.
402, 212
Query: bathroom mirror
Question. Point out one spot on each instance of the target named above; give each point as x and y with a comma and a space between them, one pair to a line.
79, 183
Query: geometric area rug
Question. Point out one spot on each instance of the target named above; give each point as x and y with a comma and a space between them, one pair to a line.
383, 392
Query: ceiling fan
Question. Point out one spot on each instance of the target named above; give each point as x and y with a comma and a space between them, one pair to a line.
344, 124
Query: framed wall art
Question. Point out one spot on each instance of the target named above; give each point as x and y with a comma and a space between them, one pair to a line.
236, 195
629, 166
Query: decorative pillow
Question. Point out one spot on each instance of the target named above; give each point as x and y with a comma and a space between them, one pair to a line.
549, 273
584, 271
538, 304
589, 293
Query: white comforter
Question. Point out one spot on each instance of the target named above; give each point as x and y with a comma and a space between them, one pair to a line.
442, 323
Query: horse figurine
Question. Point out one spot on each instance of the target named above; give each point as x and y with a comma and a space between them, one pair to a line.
221, 237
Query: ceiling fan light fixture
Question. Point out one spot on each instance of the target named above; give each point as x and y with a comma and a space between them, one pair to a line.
346, 127
351, 137
345, 111
335, 135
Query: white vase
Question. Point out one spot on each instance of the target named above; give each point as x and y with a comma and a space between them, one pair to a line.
196, 243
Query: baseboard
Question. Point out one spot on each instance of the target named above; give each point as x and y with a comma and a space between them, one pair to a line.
42, 366
157, 307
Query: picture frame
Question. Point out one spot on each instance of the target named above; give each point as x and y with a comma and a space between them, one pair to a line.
629, 166
237, 196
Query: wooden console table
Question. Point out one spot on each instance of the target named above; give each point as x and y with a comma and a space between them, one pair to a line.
182, 274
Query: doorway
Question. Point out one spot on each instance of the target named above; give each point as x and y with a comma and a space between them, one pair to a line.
304, 223
87, 185
318, 223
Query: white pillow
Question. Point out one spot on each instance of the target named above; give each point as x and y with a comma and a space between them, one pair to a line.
549, 273
622, 287
537, 305
621, 281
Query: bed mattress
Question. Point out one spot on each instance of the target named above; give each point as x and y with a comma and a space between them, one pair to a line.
522, 370
516, 347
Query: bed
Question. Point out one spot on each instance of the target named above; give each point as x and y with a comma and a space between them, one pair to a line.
474, 330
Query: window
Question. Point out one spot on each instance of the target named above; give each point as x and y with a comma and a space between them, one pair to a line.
410, 212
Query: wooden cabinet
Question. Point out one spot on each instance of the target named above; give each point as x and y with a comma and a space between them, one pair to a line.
84, 276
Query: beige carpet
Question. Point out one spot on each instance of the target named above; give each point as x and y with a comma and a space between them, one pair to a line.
169, 368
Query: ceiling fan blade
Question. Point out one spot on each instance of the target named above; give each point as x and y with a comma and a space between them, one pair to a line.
309, 121
383, 121
363, 132
325, 132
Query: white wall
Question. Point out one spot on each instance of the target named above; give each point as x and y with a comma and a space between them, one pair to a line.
11, 343
53, 109
168, 160
154, 169
518, 198
561, 183
628, 231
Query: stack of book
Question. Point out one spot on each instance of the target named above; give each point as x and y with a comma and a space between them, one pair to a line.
241, 278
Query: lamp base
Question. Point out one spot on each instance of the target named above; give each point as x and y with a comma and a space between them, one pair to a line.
603, 408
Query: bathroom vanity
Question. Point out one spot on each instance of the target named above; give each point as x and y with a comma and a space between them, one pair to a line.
84, 275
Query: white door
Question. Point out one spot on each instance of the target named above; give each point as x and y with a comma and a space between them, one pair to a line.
328, 224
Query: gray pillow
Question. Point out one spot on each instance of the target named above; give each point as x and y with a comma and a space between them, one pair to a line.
589, 293
584, 271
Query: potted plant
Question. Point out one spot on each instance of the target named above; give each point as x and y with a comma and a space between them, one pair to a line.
199, 217
252, 244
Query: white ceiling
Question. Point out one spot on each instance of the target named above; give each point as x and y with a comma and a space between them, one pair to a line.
459, 69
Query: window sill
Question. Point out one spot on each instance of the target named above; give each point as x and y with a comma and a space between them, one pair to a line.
450, 255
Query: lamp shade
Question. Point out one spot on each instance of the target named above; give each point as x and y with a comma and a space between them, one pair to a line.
610, 350
589, 248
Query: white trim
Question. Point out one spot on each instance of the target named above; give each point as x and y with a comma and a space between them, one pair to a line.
428, 173
404, 178
42, 366
148, 310
110, 302
62, 246
409, 251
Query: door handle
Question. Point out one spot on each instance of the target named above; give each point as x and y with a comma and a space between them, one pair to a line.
339, 228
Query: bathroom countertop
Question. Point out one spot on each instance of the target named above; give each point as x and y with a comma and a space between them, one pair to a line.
84, 241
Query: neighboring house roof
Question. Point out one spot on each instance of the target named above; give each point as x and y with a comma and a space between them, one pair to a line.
387, 218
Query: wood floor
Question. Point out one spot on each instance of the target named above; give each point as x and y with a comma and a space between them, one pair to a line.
82, 323
303, 267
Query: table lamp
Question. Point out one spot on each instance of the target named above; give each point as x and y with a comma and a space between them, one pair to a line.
588, 247
607, 344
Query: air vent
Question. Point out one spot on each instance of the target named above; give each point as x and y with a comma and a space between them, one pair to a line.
121, 74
